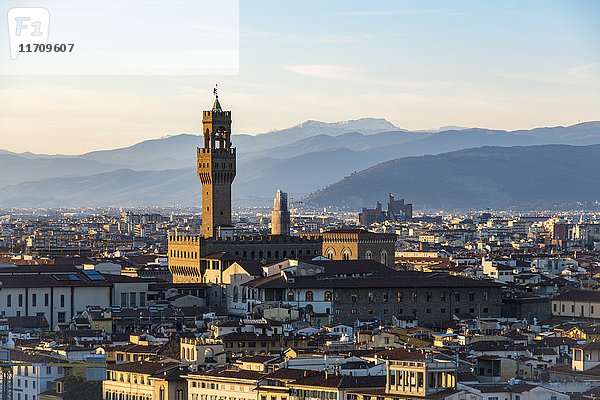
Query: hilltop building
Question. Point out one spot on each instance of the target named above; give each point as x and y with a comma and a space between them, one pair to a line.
397, 211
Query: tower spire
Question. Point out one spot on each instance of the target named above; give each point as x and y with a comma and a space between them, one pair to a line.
216, 105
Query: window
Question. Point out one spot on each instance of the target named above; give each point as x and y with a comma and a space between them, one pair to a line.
370, 311
62, 300
428, 311
554, 306
346, 255
385, 297
443, 310
34, 300
142, 299
371, 297
400, 296
368, 255
123, 299
400, 311
471, 296
385, 311
384, 257
457, 310
327, 296
353, 311
443, 296
353, 298
428, 296
485, 296
471, 310
8, 300
308, 296
132, 299
414, 297
485, 310
46, 299
457, 296
20, 299
61, 317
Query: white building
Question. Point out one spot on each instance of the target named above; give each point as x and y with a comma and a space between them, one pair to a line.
56, 292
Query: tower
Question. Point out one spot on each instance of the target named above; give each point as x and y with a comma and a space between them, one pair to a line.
280, 218
216, 169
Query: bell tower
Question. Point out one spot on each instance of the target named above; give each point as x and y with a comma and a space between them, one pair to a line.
216, 169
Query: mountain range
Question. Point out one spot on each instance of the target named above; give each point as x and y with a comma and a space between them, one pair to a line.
300, 160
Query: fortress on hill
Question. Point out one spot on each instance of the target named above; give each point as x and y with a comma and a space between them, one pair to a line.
203, 258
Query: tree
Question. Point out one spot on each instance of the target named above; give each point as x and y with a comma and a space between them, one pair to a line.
78, 388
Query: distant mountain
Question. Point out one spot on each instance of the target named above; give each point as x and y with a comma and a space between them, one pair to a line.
121, 187
155, 154
476, 178
19, 169
310, 128
292, 159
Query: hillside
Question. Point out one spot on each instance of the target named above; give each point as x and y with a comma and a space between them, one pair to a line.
476, 178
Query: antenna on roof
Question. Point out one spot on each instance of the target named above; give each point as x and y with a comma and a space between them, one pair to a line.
215, 91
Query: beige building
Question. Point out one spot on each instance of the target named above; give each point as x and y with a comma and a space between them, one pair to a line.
223, 384
202, 352
184, 258
413, 375
359, 244
586, 356
145, 381
577, 303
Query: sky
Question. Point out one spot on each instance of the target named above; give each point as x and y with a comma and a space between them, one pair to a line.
419, 64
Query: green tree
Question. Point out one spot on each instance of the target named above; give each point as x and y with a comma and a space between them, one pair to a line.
78, 388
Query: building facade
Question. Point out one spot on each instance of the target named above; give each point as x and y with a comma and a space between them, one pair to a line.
359, 244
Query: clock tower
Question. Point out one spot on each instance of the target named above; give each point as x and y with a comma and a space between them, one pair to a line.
216, 170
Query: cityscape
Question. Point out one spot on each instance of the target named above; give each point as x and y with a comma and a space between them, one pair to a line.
350, 260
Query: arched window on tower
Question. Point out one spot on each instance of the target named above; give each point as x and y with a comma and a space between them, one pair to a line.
384, 257
330, 254
308, 296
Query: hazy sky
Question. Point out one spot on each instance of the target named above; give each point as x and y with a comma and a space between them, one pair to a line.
421, 65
